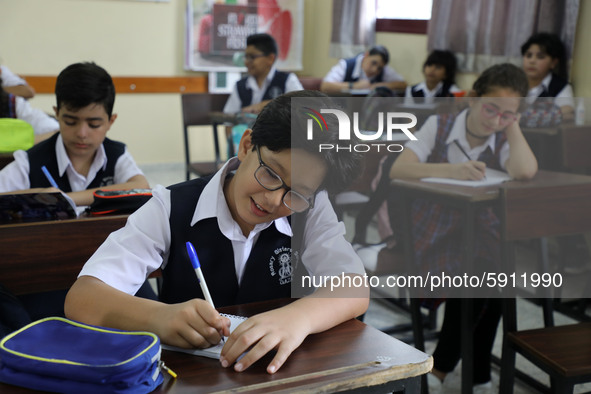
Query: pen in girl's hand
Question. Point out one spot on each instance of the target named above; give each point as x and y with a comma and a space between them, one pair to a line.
465, 154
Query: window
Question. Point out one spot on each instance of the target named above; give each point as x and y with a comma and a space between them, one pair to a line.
403, 16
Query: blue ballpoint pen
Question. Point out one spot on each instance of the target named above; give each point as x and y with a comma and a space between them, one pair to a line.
49, 177
197, 266
195, 262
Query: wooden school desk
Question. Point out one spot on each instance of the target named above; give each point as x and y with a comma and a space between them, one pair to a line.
351, 357
468, 200
48, 255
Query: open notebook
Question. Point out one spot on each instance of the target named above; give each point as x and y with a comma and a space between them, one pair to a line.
214, 351
493, 177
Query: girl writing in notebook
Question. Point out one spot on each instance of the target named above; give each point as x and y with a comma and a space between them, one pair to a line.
488, 131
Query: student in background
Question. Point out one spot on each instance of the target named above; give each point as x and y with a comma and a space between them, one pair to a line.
238, 222
488, 131
12, 106
544, 63
264, 82
14, 84
440, 76
367, 70
80, 157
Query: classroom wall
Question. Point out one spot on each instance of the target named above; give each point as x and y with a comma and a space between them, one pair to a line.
136, 38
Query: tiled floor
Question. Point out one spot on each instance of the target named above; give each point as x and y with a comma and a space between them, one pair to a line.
381, 315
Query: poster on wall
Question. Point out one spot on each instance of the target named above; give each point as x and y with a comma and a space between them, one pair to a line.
217, 31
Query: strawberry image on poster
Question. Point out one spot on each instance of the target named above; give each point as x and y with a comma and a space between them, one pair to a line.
277, 23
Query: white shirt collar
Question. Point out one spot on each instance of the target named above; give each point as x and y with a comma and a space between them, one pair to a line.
537, 90
252, 82
458, 132
428, 93
63, 160
357, 70
212, 203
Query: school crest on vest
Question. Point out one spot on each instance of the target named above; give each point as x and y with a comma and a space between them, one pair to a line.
274, 91
280, 265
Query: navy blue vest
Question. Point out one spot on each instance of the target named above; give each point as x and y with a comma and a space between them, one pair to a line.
276, 88
443, 92
267, 274
43, 154
351, 66
556, 85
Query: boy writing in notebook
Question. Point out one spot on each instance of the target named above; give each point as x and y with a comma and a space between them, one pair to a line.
488, 132
79, 158
238, 222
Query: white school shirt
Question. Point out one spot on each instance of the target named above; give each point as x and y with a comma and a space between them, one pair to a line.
338, 71
129, 255
429, 94
15, 176
426, 142
563, 98
234, 105
41, 122
9, 78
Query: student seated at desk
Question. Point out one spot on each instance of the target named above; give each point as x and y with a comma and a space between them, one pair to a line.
80, 158
488, 133
440, 79
13, 84
367, 70
239, 222
263, 82
544, 63
15, 107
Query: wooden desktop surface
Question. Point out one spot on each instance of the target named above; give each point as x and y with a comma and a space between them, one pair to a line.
48, 255
347, 357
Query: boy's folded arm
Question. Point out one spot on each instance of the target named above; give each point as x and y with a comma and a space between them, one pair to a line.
86, 197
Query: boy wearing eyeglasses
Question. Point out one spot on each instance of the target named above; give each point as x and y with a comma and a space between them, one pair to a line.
263, 82
238, 222
489, 134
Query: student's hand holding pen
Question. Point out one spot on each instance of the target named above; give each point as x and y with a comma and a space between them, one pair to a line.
191, 324
470, 170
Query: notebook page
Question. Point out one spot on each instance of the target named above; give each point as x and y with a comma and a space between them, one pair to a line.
214, 351
493, 177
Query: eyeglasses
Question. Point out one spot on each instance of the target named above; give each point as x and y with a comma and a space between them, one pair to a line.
250, 57
490, 111
269, 179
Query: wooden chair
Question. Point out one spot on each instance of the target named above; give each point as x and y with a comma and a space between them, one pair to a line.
196, 112
575, 142
562, 352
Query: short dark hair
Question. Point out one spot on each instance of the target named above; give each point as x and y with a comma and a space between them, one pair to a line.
380, 50
263, 42
503, 75
276, 129
82, 84
553, 46
444, 58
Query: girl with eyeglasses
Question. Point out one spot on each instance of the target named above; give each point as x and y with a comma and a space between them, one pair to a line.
488, 133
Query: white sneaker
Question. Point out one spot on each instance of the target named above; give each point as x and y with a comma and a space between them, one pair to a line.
435, 385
